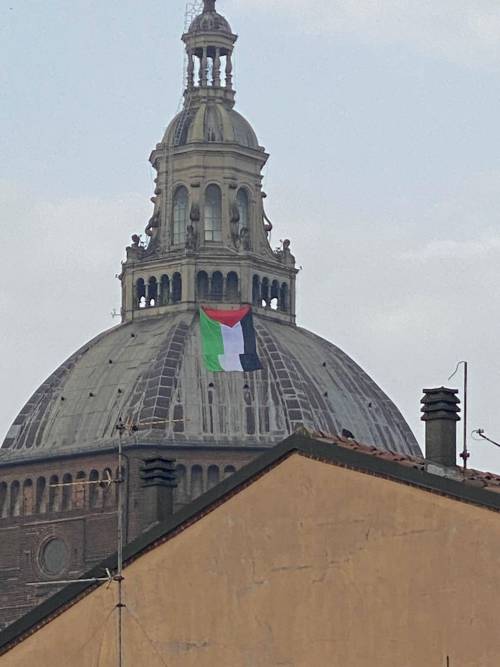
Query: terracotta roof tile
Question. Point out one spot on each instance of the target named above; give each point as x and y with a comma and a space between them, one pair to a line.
482, 479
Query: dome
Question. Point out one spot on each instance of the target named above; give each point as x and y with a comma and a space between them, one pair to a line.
150, 371
210, 22
211, 122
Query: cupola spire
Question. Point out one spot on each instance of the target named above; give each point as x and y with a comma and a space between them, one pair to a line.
208, 6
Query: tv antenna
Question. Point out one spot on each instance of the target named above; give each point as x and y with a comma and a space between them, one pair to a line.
465, 454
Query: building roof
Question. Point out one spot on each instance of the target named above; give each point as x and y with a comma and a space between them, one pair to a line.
473, 487
150, 371
210, 122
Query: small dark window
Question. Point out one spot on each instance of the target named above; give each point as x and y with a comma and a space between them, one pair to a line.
217, 286
176, 288
232, 292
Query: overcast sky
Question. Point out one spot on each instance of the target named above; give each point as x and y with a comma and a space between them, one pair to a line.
381, 118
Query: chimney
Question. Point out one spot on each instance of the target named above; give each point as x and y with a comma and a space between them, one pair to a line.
440, 414
158, 482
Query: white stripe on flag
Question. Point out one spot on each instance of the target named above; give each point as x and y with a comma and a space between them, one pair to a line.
234, 345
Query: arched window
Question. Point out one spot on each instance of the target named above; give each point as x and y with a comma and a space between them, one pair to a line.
181, 483
27, 497
40, 500
107, 492
152, 292
232, 286
202, 285
4, 510
229, 470
264, 287
256, 300
275, 295
79, 491
141, 293
284, 297
94, 489
54, 494
213, 214
212, 476
217, 286
180, 215
176, 288
196, 481
243, 207
165, 290
15, 499
67, 492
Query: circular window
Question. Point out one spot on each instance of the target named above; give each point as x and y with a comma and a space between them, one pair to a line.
54, 556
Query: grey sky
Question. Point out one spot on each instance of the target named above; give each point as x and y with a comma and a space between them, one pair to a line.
382, 123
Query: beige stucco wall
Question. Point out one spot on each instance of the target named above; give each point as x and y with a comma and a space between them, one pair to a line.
312, 565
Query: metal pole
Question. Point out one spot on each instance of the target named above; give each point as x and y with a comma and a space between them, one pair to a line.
119, 568
465, 452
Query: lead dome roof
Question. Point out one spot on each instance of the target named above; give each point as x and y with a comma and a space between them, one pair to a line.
210, 21
150, 371
211, 122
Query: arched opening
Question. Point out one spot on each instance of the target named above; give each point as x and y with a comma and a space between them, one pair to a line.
196, 481
67, 492
27, 497
202, 285
217, 286
212, 215
4, 510
213, 476
180, 471
140, 292
264, 292
181, 201
40, 496
229, 470
152, 291
165, 290
176, 288
54, 494
256, 300
243, 207
232, 291
79, 491
275, 295
284, 297
94, 489
15, 499
107, 492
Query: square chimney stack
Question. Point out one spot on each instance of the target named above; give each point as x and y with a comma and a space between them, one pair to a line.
440, 414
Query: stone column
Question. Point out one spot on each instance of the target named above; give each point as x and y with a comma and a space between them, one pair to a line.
204, 68
190, 70
229, 72
216, 69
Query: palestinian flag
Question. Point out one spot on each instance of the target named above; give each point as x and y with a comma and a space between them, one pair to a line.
228, 340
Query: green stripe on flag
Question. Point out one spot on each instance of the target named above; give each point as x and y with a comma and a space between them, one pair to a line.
212, 343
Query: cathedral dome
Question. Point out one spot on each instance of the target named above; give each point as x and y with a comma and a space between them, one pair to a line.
149, 372
211, 122
210, 21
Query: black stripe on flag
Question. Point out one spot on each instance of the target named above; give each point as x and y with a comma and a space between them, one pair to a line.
249, 360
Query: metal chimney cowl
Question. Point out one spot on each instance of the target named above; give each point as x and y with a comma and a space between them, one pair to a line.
440, 414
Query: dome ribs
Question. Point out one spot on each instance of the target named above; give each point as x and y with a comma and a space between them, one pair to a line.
155, 388
29, 427
300, 397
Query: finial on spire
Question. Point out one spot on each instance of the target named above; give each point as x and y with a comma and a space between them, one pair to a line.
208, 6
